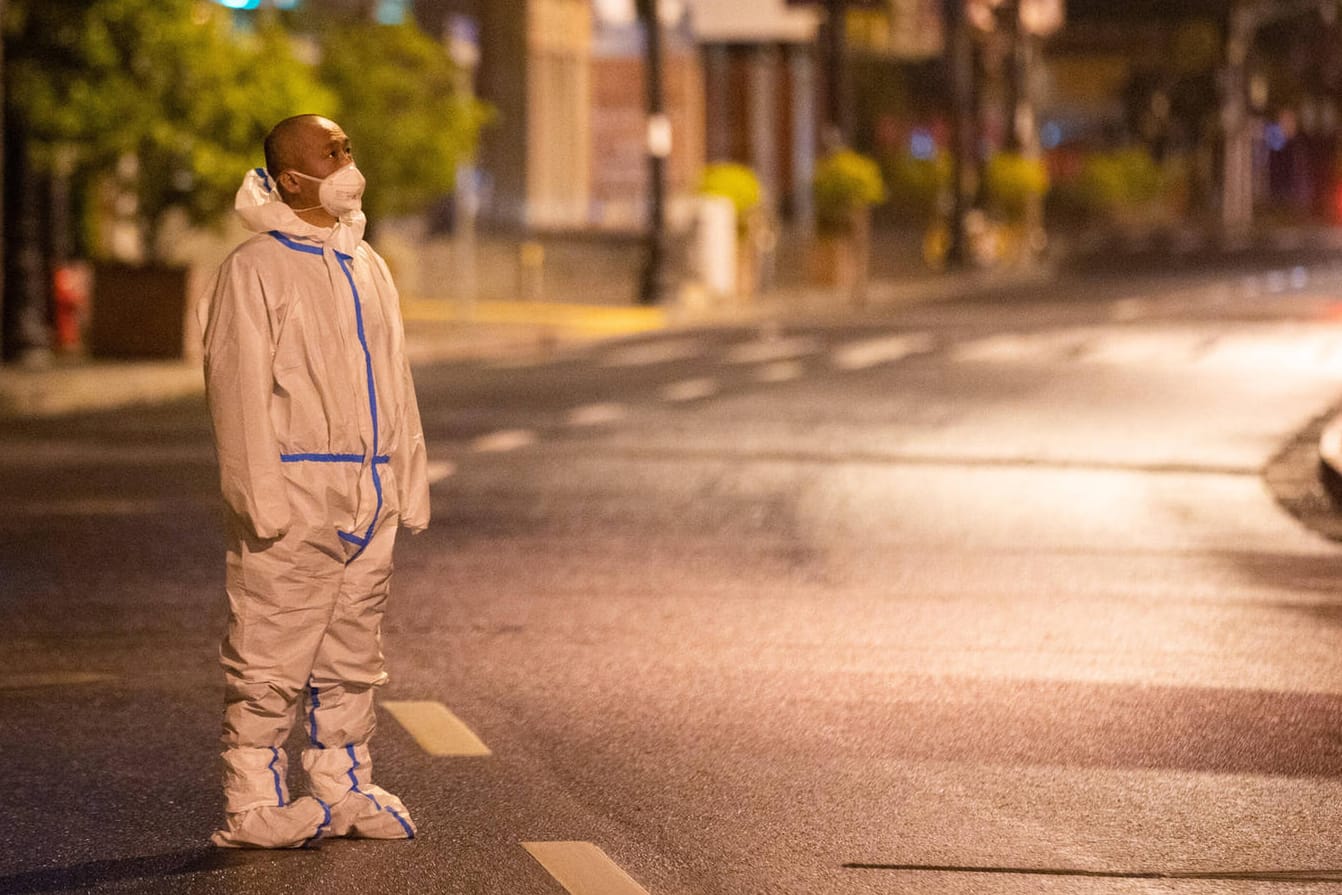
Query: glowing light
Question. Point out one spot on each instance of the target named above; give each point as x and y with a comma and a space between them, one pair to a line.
1275, 136
922, 145
391, 12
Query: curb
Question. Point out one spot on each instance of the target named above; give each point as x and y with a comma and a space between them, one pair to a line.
440, 330
1330, 459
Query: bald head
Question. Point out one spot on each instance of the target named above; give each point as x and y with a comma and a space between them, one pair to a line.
284, 144
300, 152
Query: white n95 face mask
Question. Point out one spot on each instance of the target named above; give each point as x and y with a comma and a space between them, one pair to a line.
341, 192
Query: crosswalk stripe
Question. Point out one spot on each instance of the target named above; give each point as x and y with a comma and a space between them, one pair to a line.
582, 868
873, 352
648, 354
766, 350
52, 679
596, 414
780, 371
436, 729
505, 440
440, 469
690, 390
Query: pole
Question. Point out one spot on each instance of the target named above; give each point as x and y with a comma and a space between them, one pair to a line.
837, 124
3, 184
652, 283
959, 57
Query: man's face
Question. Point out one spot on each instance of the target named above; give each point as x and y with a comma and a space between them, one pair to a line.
319, 149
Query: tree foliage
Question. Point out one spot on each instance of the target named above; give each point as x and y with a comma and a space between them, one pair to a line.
405, 110
166, 81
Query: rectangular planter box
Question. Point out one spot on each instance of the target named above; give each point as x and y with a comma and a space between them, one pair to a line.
138, 311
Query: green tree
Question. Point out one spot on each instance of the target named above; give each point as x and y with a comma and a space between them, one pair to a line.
166, 81
406, 110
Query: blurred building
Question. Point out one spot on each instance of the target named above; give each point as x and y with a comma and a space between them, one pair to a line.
568, 149
761, 91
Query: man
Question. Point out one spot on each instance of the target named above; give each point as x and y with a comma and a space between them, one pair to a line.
321, 456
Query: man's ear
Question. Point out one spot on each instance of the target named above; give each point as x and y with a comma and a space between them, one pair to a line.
287, 182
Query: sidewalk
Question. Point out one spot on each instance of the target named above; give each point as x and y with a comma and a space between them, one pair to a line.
441, 330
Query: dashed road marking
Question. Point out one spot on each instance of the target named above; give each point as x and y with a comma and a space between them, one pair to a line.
649, 354
690, 390
503, 441
766, 350
436, 729
439, 470
52, 679
582, 868
1128, 309
780, 371
874, 352
596, 414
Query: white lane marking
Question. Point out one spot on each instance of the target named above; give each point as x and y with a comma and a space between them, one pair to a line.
651, 353
502, 441
1009, 347
439, 470
596, 414
436, 729
52, 679
766, 350
884, 350
1128, 309
690, 390
582, 868
94, 506
781, 371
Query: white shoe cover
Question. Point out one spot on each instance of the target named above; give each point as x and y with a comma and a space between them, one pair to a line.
294, 825
371, 813
342, 778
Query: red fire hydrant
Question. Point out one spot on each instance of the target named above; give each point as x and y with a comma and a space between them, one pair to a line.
70, 295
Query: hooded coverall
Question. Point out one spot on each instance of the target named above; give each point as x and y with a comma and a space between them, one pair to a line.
321, 457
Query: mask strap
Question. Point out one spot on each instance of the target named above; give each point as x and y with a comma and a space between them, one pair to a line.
309, 177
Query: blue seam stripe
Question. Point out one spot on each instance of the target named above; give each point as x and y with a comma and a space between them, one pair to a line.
354, 787
330, 458
323, 827
275, 772
315, 700
344, 260
321, 458
372, 395
296, 246
265, 178
352, 538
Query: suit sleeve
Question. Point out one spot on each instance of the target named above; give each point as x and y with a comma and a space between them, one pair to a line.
238, 386
410, 460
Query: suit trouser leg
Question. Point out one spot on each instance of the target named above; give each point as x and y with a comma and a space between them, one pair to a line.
340, 718
281, 597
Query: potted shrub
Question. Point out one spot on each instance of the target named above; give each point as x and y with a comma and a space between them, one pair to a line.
738, 184
1015, 187
846, 185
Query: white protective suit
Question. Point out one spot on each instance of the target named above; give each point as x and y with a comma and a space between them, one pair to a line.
321, 456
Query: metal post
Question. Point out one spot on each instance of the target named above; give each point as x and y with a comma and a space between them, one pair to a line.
837, 118
803, 137
959, 56
3, 185
652, 283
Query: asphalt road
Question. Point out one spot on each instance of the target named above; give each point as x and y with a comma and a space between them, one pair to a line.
976, 597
